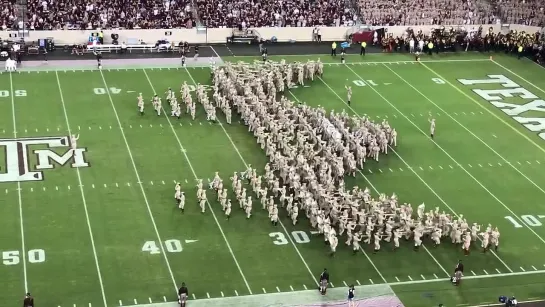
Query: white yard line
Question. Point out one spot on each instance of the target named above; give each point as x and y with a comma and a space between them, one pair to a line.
362, 250
167, 262
454, 160
246, 166
20, 199
485, 108
378, 192
402, 160
184, 152
469, 131
518, 76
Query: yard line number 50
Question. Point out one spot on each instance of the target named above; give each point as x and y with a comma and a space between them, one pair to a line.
14, 257
530, 220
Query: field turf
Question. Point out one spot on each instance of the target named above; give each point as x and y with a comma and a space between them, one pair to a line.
109, 234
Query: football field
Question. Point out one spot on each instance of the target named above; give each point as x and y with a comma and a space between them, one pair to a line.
100, 227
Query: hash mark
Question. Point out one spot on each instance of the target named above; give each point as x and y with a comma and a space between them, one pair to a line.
277, 289
110, 127
89, 128
305, 286
371, 281
380, 170
451, 167
344, 282
135, 302
480, 165
151, 182
431, 167
56, 188
105, 185
150, 301
538, 162
163, 182
31, 190
130, 126
100, 127
533, 267
410, 278
440, 167
490, 164
499, 163
395, 116
421, 168
494, 135
397, 278
43, 188
519, 163
359, 284
141, 126
36, 129
236, 293
470, 165
332, 285
522, 269
412, 115
390, 170
472, 113
264, 291
291, 288
93, 185
485, 272
422, 276
116, 185
222, 295
150, 125
528, 162
400, 169
128, 184
370, 171
498, 271
464, 113
195, 297
434, 275
120, 303
207, 294
455, 113
473, 273
165, 299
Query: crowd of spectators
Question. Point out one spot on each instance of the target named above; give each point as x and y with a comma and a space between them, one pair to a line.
426, 12
92, 14
104, 14
275, 13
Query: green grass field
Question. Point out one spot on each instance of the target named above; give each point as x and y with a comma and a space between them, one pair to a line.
108, 234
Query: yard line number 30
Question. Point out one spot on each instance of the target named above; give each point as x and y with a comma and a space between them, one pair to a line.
14, 257
300, 237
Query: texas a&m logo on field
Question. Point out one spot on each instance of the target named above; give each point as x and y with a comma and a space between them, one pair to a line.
18, 151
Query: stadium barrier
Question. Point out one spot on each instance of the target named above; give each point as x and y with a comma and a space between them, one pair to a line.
219, 35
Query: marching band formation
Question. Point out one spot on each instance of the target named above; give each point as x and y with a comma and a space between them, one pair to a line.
310, 152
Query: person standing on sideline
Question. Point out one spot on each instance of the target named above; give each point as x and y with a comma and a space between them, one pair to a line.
334, 49
324, 280
28, 301
363, 46
351, 296
183, 293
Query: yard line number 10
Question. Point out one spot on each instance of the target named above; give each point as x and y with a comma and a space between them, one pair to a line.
14, 257
530, 220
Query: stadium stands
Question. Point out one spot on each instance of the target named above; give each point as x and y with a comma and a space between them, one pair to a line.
273, 13
149, 14
8, 15
104, 14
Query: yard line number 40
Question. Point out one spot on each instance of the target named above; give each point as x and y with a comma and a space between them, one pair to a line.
14, 257
530, 220
171, 246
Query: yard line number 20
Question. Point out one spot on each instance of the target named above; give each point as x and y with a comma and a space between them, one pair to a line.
14, 257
